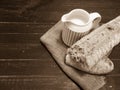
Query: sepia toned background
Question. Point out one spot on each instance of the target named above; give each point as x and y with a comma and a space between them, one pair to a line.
25, 64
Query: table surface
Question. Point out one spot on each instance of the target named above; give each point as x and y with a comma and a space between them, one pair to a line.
25, 64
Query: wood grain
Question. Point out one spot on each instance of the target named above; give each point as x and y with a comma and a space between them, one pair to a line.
45, 10
36, 82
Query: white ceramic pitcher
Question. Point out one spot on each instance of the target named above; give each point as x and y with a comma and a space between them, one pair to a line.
78, 23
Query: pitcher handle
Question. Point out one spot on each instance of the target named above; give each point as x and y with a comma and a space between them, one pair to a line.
95, 18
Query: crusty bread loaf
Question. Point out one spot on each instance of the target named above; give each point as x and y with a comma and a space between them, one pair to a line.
103, 66
89, 53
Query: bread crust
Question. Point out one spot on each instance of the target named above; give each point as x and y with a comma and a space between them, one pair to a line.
90, 53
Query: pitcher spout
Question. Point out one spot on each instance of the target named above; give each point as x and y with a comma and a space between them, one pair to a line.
65, 18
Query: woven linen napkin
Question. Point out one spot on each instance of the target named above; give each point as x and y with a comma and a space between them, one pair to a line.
52, 40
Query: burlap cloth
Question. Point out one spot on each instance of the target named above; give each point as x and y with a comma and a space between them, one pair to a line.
52, 40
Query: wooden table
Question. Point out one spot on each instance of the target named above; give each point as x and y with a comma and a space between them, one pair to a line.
24, 62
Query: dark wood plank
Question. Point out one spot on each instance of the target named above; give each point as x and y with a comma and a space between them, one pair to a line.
24, 27
46, 11
41, 82
116, 70
12, 4
112, 83
34, 3
23, 51
20, 38
16, 4
30, 16
115, 52
36, 82
29, 67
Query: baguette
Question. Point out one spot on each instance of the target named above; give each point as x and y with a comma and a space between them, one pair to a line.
90, 53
